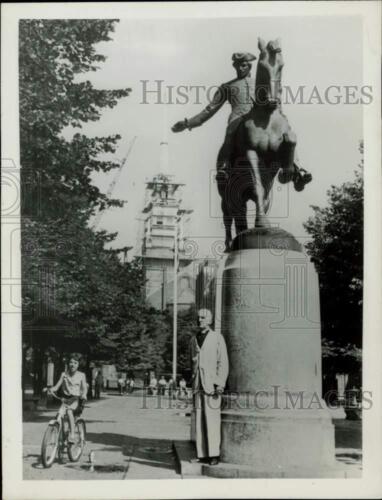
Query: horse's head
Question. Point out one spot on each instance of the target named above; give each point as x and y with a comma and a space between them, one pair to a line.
268, 75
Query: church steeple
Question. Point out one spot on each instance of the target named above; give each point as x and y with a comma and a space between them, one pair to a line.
163, 219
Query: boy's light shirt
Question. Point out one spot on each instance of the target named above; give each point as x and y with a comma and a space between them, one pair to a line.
74, 385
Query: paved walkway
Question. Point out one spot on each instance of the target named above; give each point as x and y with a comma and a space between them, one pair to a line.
132, 439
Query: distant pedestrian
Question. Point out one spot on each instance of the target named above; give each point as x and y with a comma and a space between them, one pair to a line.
182, 387
153, 385
162, 386
121, 385
131, 385
171, 388
98, 384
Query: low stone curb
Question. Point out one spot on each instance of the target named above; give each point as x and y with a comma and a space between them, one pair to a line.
184, 453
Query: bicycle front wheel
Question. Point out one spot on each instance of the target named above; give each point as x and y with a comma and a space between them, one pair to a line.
50, 445
75, 449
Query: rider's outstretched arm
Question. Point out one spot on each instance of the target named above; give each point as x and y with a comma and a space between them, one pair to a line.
54, 388
216, 103
208, 112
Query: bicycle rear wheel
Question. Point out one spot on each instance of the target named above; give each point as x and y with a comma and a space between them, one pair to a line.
75, 449
50, 445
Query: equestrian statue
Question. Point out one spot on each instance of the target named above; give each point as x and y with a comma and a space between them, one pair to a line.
259, 142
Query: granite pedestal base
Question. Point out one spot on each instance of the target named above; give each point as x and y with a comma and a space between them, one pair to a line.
270, 318
279, 441
235, 471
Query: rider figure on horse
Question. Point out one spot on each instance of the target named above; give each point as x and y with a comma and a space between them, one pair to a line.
240, 93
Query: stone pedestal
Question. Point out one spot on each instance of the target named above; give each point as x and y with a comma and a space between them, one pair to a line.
273, 416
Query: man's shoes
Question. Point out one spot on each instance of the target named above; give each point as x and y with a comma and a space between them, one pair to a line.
210, 461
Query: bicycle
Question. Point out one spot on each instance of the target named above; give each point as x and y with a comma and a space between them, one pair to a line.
55, 440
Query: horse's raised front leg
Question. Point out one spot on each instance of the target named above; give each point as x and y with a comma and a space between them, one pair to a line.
288, 157
259, 194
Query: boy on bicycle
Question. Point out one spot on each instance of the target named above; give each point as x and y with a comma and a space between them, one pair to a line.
74, 386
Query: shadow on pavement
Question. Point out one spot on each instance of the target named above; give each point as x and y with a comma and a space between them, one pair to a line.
38, 463
111, 468
90, 421
39, 415
147, 452
90, 401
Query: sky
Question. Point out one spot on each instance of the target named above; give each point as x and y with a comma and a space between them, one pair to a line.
318, 51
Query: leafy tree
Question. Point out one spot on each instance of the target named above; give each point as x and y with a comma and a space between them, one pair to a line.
58, 197
67, 263
344, 358
53, 55
336, 250
142, 340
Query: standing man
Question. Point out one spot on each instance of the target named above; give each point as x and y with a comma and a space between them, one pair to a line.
209, 375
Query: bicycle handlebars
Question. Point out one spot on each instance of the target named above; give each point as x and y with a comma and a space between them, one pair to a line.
49, 391
52, 393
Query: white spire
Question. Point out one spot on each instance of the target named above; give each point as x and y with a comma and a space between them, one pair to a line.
164, 164
164, 167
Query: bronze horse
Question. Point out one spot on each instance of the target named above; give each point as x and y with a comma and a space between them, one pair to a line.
264, 143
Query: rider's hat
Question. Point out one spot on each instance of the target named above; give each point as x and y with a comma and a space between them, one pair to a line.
239, 57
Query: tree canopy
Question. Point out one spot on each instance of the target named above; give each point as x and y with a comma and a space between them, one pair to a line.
336, 250
88, 284
53, 55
